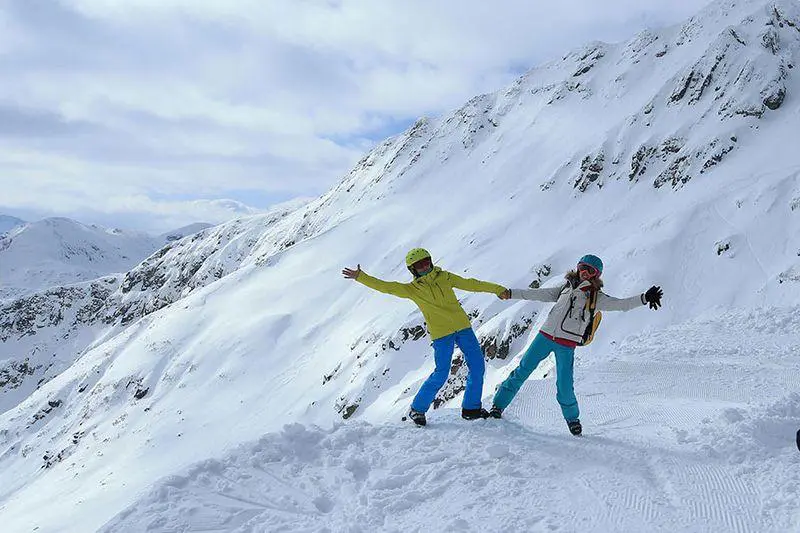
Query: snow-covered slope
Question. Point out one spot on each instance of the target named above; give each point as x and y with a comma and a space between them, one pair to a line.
666, 452
43, 333
671, 155
7, 223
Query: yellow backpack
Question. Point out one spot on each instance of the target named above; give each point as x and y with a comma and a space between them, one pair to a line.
594, 318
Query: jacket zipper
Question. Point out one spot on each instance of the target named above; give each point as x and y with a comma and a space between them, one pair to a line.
569, 314
433, 293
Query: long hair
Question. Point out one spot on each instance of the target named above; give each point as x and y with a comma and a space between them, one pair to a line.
574, 280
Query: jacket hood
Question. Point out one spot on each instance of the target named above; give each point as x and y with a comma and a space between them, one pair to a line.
574, 280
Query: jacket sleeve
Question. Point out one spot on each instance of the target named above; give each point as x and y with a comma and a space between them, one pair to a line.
387, 287
474, 285
609, 303
549, 294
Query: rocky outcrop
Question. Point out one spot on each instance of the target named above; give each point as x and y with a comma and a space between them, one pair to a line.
70, 307
591, 168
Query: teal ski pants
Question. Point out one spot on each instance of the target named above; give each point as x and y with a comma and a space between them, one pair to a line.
539, 349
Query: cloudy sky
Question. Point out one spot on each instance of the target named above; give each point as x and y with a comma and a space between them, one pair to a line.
151, 114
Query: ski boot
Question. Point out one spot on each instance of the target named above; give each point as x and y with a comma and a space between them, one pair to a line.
496, 412
575, 427
417, 417
474, 414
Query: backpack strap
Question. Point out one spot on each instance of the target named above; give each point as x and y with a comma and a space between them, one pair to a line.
591, 306
591, 301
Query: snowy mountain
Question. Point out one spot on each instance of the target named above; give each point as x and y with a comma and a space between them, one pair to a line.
185, 231
45, 332
670, 155
7, 223
58, 251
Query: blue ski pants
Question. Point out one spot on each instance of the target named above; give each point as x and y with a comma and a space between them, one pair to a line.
539, 349
443, 354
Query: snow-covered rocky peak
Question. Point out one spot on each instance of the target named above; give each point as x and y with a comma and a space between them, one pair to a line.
7, 223
60, 251
665, 107
180, 233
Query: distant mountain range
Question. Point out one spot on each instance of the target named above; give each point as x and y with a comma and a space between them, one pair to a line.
8, 223
61, 251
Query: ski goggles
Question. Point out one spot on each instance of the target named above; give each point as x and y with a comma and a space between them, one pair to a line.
423, 266
588, 268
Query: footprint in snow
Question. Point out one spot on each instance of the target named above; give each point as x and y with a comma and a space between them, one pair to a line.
497, 451
323, 504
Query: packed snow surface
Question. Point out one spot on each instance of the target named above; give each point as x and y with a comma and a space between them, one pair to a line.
686, 429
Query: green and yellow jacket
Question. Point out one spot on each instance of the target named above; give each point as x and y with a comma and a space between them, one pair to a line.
433, 294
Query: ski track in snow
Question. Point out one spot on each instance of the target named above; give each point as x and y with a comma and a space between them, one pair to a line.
675, 440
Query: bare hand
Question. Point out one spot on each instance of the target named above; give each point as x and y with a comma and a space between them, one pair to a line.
349, 273
505, 295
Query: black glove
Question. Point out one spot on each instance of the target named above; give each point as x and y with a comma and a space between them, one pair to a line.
653, 297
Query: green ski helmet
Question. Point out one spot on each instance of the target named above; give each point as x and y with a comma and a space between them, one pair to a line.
417, 254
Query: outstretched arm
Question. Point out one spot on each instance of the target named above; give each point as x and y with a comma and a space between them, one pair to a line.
609, 303
549, 294
475, 285
387, 287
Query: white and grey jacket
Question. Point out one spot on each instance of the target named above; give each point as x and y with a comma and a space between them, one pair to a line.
569, 316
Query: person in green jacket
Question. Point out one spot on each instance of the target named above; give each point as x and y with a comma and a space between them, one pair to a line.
448, 325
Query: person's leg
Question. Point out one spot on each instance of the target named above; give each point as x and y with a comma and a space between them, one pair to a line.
539, 349
565, 392
442, 356
473, 356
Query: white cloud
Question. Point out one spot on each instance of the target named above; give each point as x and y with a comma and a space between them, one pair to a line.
206, 99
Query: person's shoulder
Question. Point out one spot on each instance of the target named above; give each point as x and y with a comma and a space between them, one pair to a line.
441, 275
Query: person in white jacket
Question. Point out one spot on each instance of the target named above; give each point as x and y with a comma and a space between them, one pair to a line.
564, 330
